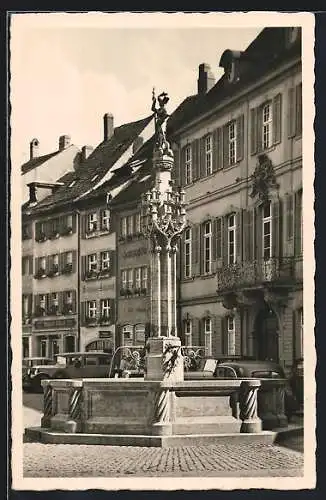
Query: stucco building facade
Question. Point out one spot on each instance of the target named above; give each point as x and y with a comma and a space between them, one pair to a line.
239, 157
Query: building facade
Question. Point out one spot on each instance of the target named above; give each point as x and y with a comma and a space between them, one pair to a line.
239, 158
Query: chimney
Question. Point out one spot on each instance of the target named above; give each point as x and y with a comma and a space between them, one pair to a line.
33, 149
108, 126
86, 151
137, 144
206, 79
64, 142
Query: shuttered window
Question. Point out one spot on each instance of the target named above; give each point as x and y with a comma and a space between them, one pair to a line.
267, 130
232, 256
187, 253
91, 309
232, 144
207, 247
208, 155
266, 125
105, 308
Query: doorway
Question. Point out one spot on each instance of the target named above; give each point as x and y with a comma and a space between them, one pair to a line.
266, 335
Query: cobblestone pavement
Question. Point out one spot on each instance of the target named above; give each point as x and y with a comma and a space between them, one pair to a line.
48, 460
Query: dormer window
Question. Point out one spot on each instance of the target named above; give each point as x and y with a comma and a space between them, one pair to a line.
230, 62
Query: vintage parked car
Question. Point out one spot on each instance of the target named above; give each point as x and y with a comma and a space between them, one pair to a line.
91, 364
28, 363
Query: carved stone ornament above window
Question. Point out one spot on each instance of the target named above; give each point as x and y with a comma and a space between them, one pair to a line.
263, 178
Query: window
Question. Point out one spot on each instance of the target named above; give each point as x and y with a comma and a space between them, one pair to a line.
208, 155
130, 279
91, 309
267, 231
69, 258
138, 278
42, 348
231, 239
207, 247
105, 308
69, 220
25, 305
54, 302
187, 253
232, 143
42, 263
105, 220
127, 335
42, 301
130, 225
208, 335
69, 297
92, 222
92, 262
140, 334
25, 266
26, 232
124, 279
231, 335
188, 165
188, 332
55, 260
144, 278
123, 226
25, 347
267, 129
105, 261
137, 224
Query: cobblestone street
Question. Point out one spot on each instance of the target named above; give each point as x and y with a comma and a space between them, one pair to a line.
50, 460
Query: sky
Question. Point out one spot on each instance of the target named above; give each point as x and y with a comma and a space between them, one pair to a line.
66, 75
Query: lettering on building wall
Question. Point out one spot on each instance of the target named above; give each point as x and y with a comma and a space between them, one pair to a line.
135, 253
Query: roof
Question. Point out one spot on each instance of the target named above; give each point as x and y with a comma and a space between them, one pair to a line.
267, 52
98, 164
36, 162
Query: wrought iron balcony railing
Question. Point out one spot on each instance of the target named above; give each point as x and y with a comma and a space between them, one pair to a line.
278, 271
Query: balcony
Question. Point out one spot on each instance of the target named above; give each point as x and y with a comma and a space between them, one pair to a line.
282, 272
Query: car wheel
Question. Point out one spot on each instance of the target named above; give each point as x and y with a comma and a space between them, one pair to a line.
37, 382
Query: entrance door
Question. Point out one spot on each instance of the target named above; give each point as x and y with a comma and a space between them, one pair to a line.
266, 333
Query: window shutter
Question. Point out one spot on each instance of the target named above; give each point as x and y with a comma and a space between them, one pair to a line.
74, 222
83, 313
195, 250
238, 219
246, 235
183, 166
48, 263
225, 146
259, 132
195, 159
113, 270
258, 234
37, 230
224, 337
23, 312
98, 261
201, 249
62, 261
240, 137
216, 336
30, 303
74, 261
60, 302
36, 304
218, 238
216, 150
36, 265
177, 173
289, 202
83, 266
112, 310
298, 109
291, 113
47, 303
237, 326
277, 118
297, 223
214, 239
202, 158
276, 226
74, 302
253, 131
225, 240
30, 264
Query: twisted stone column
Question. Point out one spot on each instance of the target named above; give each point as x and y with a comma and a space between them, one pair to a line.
248, 406
47, 406
161, 416
75, 410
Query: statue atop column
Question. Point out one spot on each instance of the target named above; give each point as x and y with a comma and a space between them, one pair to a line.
161, 116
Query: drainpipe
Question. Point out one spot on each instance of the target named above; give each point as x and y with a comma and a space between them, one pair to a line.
78, 279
